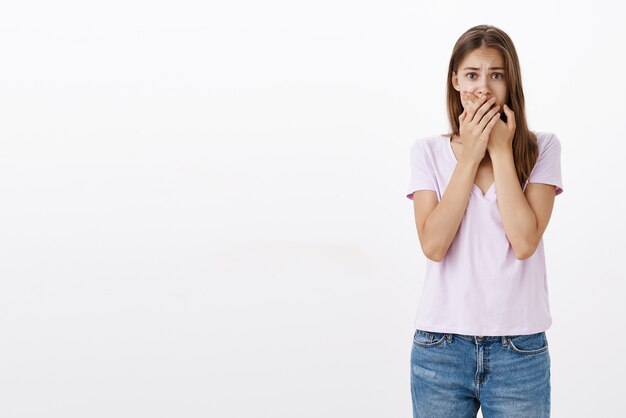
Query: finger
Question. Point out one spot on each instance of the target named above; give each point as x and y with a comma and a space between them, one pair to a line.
471, 96
484, 106
468, 98
471, 111
510, 118
488, 117
492, 122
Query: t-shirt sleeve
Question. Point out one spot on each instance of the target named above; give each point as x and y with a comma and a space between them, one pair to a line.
547, 169
422, 175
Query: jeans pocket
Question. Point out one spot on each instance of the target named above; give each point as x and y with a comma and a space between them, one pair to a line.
428, 338
529, 344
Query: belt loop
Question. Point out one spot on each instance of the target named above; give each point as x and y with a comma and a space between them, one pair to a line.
504, 341
449, 337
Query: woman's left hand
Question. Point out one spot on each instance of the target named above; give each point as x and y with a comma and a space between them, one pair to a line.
501, 136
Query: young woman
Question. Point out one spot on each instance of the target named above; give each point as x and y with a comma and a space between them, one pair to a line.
483, 195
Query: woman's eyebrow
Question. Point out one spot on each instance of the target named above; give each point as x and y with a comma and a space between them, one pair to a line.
477, 69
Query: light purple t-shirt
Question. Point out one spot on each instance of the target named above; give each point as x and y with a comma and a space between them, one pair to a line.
480, 288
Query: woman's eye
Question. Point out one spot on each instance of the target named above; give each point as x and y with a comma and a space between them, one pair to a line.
498, 74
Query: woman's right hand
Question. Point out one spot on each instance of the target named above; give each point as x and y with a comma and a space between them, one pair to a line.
476, 123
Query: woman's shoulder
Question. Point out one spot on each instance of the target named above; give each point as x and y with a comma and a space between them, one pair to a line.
431, 141
546, 138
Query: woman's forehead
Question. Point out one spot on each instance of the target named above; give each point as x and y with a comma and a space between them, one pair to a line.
483, 57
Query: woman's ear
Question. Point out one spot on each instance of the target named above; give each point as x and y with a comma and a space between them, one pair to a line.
455, 83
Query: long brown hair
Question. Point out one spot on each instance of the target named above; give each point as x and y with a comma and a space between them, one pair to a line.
525, 148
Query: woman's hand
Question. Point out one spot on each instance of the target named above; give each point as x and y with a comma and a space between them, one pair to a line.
477, 121
501, 136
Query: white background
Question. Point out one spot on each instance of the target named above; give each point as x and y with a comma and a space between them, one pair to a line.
203, 204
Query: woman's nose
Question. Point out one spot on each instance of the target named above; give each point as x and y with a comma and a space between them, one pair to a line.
487, 93
483, 88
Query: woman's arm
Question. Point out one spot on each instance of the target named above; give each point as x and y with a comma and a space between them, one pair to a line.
438, 222
525, 215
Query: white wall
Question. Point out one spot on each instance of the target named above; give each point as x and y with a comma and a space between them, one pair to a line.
203, 213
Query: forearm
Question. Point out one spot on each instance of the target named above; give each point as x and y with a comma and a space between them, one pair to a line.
443, 222
519, 220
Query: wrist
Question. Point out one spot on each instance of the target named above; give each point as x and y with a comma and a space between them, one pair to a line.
502, 156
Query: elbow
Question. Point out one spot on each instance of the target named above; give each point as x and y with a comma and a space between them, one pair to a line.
525, 251
434, 257
433, 253
521, 257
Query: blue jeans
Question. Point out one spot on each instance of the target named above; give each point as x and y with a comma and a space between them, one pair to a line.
453, 375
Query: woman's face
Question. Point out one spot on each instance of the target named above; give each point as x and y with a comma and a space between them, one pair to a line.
485, 75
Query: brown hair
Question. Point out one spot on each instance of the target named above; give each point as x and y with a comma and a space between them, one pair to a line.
525, 148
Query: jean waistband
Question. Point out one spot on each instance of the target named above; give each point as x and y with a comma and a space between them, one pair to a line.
479, 338
475, 338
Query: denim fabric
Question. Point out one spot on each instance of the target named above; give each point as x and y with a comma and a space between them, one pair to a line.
453, 375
